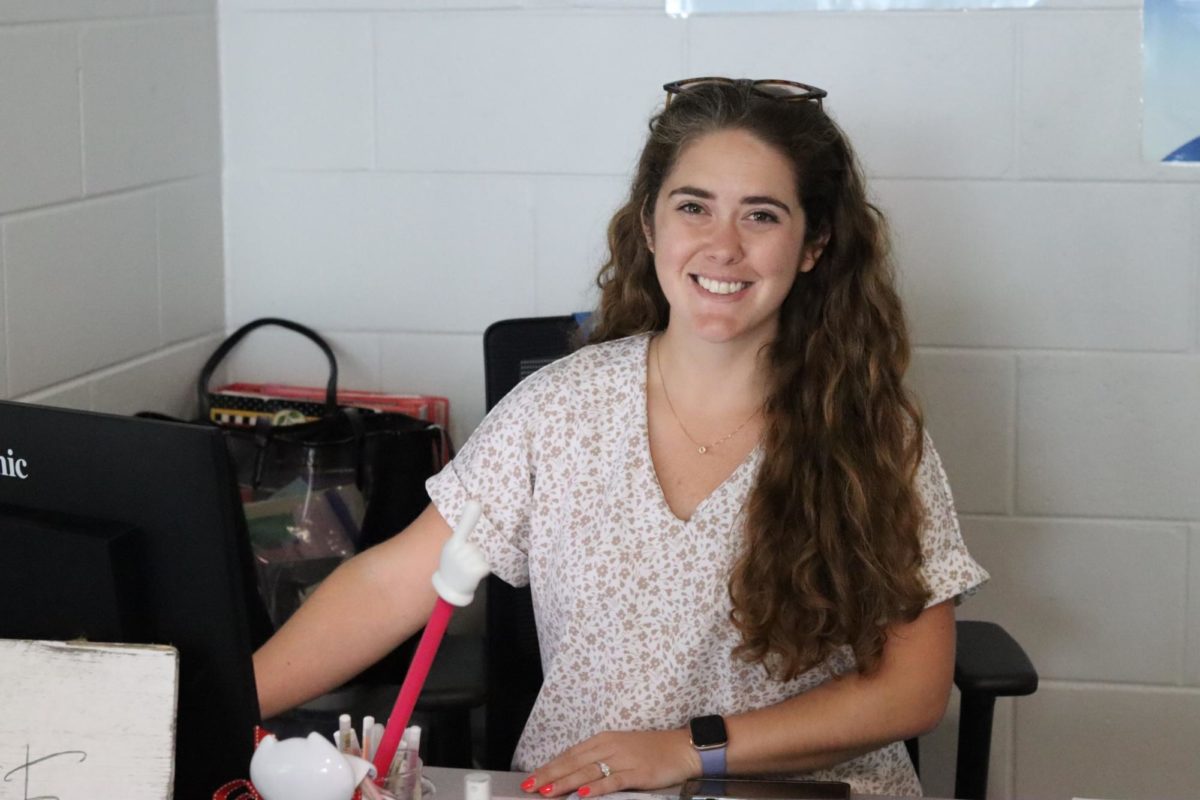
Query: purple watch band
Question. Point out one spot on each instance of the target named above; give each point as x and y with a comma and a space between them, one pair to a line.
712, 762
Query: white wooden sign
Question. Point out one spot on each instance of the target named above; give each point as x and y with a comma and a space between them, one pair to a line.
80, 721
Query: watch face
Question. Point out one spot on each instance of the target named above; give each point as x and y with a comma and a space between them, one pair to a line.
708, 731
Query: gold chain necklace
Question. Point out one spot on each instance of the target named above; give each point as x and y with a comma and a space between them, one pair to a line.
700, 448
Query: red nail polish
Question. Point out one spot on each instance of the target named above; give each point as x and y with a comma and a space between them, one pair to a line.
529, 783
547, 789
583, 791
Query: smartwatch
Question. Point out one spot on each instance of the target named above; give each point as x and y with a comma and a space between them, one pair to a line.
710, 740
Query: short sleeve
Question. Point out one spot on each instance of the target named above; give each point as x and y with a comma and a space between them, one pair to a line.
496, 467
948, 569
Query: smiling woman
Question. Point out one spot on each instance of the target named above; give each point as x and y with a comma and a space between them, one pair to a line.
728, 238
741, 544
748, 253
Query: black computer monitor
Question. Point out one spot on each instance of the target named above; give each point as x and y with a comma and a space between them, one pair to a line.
131, 530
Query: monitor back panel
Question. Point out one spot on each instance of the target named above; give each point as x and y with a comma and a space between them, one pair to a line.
173, 485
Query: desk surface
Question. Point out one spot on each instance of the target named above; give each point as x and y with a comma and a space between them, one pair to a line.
449, 783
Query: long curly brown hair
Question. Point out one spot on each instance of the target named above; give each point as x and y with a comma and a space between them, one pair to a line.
832, 552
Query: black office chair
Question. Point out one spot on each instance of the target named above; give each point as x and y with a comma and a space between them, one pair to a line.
988, 662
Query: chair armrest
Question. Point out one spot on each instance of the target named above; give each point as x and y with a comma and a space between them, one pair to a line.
988, 664
989, 661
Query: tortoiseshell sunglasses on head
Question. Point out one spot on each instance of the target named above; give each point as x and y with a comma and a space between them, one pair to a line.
771, 88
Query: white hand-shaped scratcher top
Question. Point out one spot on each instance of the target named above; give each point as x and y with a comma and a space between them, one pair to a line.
459, 572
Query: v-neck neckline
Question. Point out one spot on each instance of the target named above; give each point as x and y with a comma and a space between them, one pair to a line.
643, 420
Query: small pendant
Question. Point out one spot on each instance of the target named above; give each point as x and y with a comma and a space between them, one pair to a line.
703, 449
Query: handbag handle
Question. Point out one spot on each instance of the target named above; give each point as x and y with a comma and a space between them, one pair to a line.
232, 341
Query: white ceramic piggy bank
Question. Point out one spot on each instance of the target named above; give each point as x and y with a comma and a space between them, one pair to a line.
306, 769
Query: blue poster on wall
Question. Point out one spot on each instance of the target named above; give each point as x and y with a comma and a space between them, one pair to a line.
686, 8
1171, 111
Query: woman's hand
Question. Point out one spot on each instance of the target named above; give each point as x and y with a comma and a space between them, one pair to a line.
635, 760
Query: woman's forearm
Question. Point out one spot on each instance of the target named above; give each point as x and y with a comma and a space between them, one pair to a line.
855, 714
361, 612
825, 726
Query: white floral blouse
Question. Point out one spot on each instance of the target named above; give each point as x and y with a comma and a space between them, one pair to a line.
631, 602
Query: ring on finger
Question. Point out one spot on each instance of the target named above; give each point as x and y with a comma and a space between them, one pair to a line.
605, 769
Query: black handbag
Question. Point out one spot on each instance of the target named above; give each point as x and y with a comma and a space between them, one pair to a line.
352, 470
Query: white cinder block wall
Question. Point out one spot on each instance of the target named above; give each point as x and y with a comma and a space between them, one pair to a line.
110, 201
404, 174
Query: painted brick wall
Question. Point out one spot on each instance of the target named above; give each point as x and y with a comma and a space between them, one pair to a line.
404, 174
110, 201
